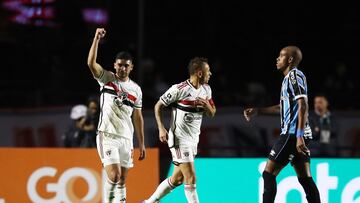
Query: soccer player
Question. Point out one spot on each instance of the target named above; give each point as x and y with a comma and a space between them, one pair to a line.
295, 129
189, 101
120, 112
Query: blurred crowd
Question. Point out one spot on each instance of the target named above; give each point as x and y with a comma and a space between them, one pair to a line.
46, 65
83, 126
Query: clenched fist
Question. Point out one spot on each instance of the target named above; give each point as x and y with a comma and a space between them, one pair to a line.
100, 33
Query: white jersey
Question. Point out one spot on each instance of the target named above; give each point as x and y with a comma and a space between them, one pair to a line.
186, 118
117, 101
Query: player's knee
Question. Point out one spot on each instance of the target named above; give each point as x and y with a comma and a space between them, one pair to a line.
114, 176
177, 180
190, 178
122, 180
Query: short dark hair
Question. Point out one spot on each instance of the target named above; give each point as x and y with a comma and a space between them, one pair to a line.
124, 55
196, 63
322, 95
93, 98
295, 52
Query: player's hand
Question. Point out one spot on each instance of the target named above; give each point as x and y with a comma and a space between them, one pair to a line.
163, 135
205, 103
142, 152
249, 112
100, 33
301, 147
202, 102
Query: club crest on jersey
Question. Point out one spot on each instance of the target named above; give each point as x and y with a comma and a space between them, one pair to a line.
119, 100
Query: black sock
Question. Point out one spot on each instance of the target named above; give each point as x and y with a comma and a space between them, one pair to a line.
311, 190
269, 187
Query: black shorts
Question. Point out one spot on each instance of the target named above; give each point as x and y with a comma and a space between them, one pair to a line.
284, 151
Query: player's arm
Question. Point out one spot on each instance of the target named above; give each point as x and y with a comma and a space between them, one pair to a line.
138, 121
302, 113
95, 68
159, 106
250, 112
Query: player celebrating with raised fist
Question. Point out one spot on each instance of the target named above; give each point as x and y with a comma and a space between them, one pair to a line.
120, 112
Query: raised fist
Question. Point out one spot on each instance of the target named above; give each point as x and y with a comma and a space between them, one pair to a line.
100, 33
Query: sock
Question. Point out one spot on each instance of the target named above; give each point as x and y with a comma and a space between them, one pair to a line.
269, 187
122, 193
311, 190
109, 191
163, 189
191, 193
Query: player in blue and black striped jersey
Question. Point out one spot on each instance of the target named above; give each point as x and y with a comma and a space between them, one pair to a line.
295, 130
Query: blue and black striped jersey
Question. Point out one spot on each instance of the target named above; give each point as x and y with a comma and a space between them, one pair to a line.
293, 87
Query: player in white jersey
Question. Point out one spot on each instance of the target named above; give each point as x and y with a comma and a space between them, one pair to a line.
189, 101
120, 112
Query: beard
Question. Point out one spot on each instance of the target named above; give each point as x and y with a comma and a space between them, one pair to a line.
204, 81
121, 74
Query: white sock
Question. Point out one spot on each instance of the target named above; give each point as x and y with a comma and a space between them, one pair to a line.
191, 193
122, 193
109, 191
163, 189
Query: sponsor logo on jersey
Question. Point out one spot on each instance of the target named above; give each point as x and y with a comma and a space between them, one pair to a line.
292, 78
167, 98
188, 117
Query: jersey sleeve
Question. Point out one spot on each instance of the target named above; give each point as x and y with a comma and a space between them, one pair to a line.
209, 96
138, 101
298, 85
170, 96
105, 77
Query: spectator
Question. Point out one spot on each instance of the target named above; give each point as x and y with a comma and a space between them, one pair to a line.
90, 123
74, 134
324, 142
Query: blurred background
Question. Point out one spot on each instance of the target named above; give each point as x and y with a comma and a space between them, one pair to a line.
44, 46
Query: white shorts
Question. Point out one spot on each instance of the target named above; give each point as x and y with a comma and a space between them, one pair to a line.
183, 154
114, 150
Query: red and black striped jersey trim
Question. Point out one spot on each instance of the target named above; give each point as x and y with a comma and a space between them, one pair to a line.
188, 109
